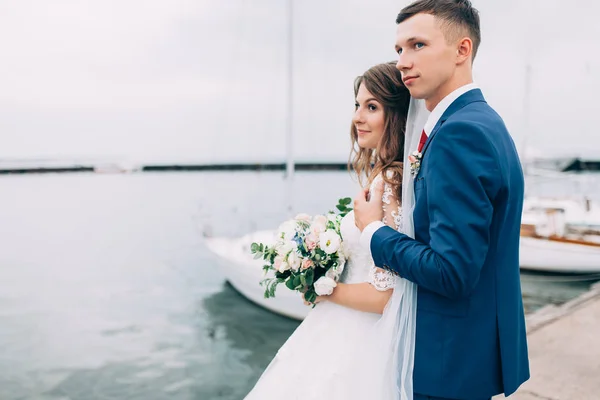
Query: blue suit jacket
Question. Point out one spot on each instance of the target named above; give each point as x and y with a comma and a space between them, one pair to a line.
470, 339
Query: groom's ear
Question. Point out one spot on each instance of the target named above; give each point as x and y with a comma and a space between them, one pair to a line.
464, 50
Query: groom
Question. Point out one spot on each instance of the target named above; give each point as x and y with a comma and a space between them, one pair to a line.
470, 337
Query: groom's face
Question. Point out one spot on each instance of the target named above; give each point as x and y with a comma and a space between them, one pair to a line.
426, 60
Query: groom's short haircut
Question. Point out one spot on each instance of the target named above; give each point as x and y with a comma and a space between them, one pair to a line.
458, 17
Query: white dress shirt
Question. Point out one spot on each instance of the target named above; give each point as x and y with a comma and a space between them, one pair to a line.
432, 120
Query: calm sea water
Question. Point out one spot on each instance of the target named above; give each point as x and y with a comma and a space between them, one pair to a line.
107, 291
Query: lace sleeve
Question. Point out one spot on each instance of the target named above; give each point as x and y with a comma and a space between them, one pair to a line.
382, 279
392, 211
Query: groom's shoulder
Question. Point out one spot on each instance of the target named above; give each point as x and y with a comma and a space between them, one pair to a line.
478, 113
476, 122
479, 105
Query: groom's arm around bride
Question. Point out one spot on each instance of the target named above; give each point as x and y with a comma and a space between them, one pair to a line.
470, 333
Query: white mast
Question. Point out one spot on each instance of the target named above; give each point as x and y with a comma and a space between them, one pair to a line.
529, 59
289, 142
526, 127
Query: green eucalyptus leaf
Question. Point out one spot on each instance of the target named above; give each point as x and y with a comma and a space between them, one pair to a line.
290, 284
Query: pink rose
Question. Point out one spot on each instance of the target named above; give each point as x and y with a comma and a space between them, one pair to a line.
412, 159
302, 217
319, 225
306, 264
311, 241
320, 219
277, 262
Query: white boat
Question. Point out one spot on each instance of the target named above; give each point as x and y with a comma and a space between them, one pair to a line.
559, 236
548, 243
579, 214
244, 273
554, 254
552, 240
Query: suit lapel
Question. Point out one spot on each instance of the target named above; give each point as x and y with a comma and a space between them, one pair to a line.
471, 96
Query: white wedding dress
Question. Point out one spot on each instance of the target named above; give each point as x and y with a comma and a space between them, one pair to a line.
331, 353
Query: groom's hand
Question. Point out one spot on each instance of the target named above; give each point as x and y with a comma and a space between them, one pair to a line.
368, 207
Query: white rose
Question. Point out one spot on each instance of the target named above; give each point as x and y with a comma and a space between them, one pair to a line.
284, 266
330, 241
294, 261
287, 246
324, 286
287, 230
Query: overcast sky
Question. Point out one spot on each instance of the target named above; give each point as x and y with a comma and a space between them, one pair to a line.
205, 81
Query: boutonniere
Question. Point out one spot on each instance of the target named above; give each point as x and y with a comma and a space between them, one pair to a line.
415, 162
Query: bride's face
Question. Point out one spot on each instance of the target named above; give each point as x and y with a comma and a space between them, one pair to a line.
369, 119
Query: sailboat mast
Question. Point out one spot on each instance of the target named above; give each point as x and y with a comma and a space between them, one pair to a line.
289, 142
526, 116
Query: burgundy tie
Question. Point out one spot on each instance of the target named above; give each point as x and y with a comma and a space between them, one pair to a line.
422, 141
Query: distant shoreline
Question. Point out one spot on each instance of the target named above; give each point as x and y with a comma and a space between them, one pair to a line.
44, 170
248, 167
115, 168
558, 165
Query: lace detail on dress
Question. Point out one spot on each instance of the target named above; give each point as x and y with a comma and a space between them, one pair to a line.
397, 216
381, 279
387, 193
387, 198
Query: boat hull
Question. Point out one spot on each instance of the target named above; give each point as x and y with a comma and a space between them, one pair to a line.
244, 273
555, 256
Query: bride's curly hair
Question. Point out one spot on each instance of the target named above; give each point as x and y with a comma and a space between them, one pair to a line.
384, 82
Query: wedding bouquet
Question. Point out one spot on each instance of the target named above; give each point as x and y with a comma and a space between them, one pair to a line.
308, 254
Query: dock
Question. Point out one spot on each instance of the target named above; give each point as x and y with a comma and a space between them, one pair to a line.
564, 351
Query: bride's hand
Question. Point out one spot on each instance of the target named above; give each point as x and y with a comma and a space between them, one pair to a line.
368, 206
317, 300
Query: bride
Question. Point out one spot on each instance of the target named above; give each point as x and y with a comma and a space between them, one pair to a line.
358, 343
